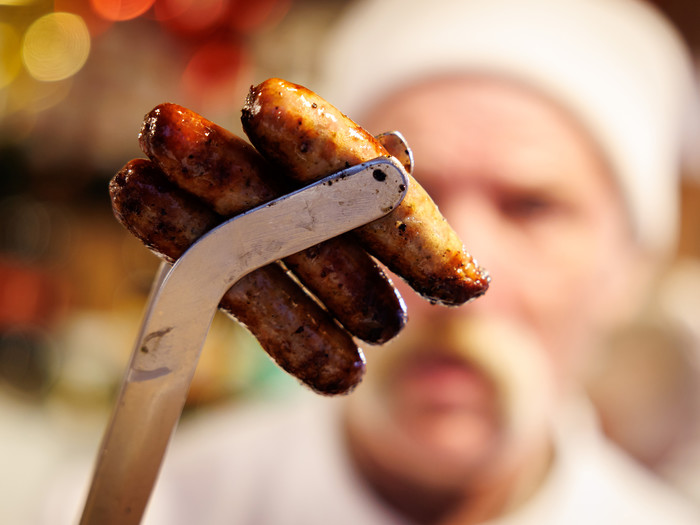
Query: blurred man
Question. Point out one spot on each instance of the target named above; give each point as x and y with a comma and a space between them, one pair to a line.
548, 133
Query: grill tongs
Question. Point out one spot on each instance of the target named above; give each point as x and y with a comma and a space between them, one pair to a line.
182, 304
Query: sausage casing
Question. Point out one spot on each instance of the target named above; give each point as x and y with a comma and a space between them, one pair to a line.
297, 129
226, 172
293, 329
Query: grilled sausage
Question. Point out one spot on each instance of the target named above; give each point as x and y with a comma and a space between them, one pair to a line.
292, 328
226, 172
297, 129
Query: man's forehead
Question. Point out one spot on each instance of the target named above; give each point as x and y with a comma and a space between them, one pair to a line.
491, 126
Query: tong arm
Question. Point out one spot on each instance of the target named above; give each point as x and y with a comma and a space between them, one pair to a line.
182, 307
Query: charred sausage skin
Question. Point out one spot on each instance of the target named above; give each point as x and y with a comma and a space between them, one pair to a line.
297, 129
291, 327
227, 173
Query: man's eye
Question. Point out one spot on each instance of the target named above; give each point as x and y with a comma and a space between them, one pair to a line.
526, 206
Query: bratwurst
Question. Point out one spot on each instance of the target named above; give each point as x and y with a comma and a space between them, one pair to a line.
301, 132
299, 335
227, 173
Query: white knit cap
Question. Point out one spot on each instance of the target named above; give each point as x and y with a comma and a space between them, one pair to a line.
617, 65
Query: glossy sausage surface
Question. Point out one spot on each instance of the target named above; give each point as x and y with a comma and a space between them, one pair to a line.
300, 131
224, 171
291, 327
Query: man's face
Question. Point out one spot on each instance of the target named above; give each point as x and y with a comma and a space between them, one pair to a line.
528, 193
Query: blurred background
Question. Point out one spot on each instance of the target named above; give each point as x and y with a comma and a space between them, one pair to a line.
76, 78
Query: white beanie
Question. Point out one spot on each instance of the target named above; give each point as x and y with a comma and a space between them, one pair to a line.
616, 65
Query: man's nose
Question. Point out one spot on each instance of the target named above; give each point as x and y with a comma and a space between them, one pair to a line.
485, 239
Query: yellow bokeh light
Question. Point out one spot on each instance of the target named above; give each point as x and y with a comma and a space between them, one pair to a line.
56, 46
10, 62
16, 2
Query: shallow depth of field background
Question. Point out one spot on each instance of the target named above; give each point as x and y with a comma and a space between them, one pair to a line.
76, 78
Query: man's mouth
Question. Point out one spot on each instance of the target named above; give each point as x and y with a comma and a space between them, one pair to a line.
437, 381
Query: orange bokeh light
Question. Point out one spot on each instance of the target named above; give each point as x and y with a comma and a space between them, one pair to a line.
119, 10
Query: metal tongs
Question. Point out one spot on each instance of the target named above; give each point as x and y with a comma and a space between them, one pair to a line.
182, 304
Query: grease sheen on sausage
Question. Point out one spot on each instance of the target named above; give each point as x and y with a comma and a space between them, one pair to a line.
291, 327
297, 129
224, 171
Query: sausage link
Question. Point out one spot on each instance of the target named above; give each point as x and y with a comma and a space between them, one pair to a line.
291, 327
297, 129
208, 161
224, 171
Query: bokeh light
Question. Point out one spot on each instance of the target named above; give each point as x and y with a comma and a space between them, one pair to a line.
169, 9
56, 46
30, 97
10, 62
250, 15
190, 17
16, 2
96, 23
118, 10
215, 72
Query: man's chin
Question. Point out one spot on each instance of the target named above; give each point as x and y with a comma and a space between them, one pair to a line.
439, 452
452, 449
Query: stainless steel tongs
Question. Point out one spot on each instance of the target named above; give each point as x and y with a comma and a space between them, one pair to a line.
182, 304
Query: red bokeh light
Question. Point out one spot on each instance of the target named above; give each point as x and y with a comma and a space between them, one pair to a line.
215, 72
190, 17
248, 15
